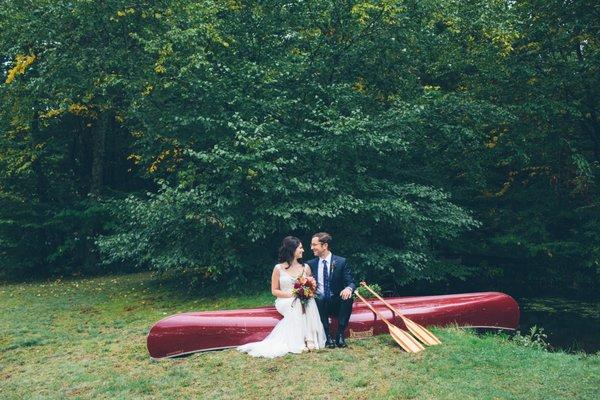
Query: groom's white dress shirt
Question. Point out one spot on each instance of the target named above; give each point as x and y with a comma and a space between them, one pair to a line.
321, 288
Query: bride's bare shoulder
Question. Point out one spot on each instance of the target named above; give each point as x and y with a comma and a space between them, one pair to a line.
307, 269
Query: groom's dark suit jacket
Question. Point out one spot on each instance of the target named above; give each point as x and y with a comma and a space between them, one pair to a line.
339, 279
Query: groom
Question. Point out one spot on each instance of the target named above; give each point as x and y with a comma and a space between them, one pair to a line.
334, 287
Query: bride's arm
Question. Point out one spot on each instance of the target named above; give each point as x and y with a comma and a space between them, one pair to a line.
277, 292
307, 269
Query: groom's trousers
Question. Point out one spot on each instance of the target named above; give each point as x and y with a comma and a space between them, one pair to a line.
336, 307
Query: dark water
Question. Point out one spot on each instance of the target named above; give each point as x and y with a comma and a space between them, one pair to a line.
570, 325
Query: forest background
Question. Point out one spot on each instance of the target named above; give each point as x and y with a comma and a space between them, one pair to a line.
447, 145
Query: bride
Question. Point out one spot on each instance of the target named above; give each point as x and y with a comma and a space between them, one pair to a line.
297, 331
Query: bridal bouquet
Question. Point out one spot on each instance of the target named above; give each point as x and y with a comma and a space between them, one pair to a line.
304, 289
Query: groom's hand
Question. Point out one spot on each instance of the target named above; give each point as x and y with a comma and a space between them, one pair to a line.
346, 293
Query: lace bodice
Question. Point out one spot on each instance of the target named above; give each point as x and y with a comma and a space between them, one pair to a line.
286, 281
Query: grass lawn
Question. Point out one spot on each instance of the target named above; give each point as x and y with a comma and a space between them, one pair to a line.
87, 339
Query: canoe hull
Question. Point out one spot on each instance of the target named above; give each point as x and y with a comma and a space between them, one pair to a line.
201, 331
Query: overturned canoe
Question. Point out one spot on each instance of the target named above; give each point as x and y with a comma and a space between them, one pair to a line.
211, 330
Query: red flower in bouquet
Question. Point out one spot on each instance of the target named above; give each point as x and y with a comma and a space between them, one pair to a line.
305, 288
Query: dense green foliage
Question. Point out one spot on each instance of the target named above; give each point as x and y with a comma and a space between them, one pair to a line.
436, 140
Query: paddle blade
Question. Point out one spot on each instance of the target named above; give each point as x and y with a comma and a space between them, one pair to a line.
421, 333
403, 338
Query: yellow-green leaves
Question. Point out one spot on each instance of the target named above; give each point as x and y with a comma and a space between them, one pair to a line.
21, 63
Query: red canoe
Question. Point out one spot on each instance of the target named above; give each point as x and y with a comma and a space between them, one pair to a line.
211, 330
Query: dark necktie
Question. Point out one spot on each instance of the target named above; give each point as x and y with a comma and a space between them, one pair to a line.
326, 290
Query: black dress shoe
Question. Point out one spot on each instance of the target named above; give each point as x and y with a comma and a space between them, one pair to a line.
340, 342
329, 343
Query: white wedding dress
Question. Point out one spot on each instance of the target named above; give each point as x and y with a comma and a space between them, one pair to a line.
294, 331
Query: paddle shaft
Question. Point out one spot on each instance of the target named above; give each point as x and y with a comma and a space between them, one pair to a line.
372, 309
416, 329
394, 309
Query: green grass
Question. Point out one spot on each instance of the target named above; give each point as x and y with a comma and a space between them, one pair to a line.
86, 339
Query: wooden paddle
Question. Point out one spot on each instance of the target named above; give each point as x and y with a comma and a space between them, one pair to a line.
403, 338
419, 331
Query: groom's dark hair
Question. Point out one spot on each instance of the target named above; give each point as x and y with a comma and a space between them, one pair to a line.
324, 237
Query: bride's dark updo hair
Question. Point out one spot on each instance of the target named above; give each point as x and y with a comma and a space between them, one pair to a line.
287, 249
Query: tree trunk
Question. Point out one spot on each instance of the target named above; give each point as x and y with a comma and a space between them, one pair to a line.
41, 203
98, 155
